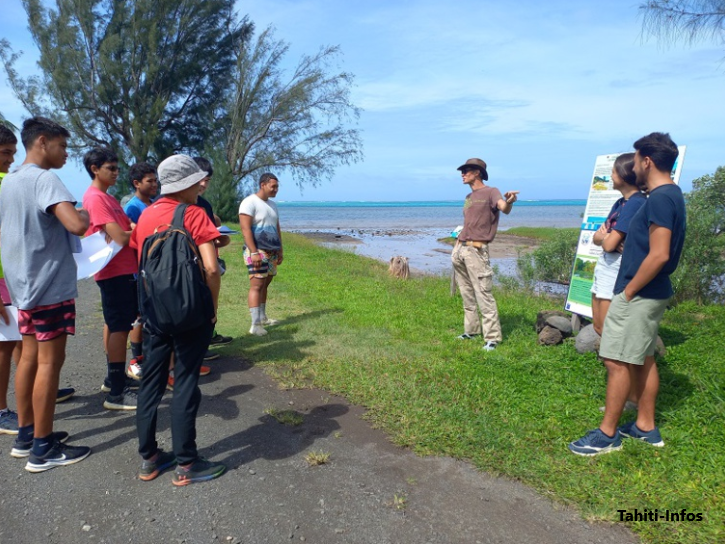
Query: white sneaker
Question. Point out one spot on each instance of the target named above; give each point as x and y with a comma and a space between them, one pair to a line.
268, 322
134, 370
257, 330
490, 345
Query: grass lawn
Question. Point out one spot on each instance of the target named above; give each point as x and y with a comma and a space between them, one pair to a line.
390, 345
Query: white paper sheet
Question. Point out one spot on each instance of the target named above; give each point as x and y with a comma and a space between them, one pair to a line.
10, 332
95, 254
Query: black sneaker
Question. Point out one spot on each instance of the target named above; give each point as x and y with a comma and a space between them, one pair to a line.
58, 455
127, 400
23, 449
219, 340
151, 469
64, 394
200, 470
131, 384
210, 355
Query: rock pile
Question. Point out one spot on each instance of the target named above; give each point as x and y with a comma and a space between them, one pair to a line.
553, 326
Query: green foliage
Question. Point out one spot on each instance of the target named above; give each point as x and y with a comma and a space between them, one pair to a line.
700, 275
552, 261
5, 122
222, 192
142, 77
684, 20
294, 122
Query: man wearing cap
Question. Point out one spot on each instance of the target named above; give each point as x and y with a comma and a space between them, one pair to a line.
470, 254
180, 179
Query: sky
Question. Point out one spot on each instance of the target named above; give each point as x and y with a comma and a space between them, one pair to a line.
536, 89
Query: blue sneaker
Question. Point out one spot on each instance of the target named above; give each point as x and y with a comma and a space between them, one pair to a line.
596, 442
653, 437
8, 422
23, 449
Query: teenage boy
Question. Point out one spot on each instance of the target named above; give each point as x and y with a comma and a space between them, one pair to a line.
117, 281
10, 351
259, 221
146, 185
37, 213
204, 164
642, 291
179, 177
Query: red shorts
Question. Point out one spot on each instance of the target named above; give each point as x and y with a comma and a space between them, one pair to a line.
49, 322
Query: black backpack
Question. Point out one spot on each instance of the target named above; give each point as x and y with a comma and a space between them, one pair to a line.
173, 296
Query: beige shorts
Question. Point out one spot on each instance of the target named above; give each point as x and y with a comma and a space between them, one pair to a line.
630, 329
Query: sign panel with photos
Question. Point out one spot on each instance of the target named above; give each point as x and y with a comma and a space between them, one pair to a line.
602, 197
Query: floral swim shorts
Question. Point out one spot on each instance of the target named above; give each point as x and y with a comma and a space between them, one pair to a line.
268, 266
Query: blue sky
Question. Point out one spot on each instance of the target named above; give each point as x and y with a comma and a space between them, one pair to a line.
536, 89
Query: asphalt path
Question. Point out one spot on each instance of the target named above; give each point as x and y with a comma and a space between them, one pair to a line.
368, 492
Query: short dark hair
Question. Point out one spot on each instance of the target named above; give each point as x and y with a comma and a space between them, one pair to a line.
205, 165
624, 166
98, 156
7, 136
139, 170
660, 148
35, 127
267, 176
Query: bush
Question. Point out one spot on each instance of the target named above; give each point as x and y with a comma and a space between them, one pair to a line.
552, 261
700, 276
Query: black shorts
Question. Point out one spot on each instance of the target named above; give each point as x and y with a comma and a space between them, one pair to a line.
119, 299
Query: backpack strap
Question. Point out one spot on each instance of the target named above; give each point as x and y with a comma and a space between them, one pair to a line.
179, 212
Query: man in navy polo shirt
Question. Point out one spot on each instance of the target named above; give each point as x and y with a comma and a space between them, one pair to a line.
642, 291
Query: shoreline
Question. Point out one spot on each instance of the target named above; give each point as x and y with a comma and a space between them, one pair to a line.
427, 252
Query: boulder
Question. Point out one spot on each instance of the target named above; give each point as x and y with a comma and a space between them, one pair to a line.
549, 336
542, 316
587, 340
561, 323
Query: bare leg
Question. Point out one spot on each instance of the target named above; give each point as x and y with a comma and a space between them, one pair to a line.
27, 368
617, 390
51, 356
106, 334
648, 382
600, 307
263, 291
6, 353
256, 286
136, 334
116, 346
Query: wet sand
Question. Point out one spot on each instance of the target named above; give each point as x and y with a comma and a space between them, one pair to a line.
424, 249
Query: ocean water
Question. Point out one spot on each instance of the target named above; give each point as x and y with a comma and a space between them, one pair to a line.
440, 215
412, 229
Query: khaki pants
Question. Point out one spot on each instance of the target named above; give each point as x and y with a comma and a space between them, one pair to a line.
474, 276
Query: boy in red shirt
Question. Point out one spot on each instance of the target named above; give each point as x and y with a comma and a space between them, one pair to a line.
117, 281
179, 178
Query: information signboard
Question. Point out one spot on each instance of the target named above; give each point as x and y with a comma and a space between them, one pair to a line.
602, 197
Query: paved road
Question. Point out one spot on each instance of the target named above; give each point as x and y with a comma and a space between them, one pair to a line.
370, 492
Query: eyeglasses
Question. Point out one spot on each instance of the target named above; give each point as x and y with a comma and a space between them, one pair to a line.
465, 171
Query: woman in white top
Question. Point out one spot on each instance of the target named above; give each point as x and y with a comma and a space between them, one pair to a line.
611, 237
